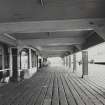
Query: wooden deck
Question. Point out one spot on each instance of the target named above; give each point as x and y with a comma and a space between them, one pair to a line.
53, 86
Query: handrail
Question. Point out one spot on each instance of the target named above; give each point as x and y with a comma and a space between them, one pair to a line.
4, 69
20, 70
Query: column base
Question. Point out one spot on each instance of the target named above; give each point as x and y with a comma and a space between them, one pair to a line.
85, 76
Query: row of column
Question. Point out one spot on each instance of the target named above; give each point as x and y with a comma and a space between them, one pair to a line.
68, 62
14, 67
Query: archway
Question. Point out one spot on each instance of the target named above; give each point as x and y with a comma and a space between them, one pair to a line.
24, 58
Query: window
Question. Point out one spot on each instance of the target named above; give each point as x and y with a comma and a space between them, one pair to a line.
24, 60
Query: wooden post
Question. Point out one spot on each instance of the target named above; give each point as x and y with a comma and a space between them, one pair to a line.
40, 63
3, 59
15, 64
37, 61
3, 67
69, 61
63, 58
74, 62
65, 61
18, 63
84, 63
20, 60
10, 62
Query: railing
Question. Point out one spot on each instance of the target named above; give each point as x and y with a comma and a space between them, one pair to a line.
4, 69
4, 73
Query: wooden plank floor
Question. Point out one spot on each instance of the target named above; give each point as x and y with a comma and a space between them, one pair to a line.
53, 86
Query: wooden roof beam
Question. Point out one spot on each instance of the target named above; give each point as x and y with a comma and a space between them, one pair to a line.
6, 38
46, 26
53, 42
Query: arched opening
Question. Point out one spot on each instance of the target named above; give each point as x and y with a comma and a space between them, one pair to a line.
55, 61
24, 59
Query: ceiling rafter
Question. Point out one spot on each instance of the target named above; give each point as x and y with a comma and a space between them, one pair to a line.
42, 3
